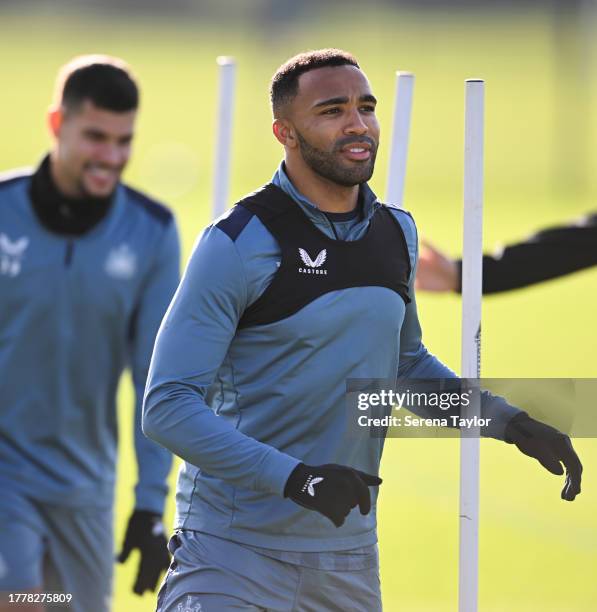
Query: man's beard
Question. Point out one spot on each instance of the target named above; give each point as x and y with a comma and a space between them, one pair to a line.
86, 194
327, 164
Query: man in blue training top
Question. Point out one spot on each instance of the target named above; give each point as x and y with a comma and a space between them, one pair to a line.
87, 269
304, 284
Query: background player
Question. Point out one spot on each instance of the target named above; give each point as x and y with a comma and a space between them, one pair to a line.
87, 268
550, 253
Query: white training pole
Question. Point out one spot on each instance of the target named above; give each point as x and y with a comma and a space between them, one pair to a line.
227, 74
472, 268
405, 82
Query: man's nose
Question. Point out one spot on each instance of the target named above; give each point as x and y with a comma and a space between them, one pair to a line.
111, 154
355, 123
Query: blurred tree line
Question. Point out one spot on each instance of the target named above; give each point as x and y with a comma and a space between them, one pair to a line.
274, 10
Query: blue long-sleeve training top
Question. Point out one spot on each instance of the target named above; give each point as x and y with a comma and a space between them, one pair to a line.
75, 309
244, 404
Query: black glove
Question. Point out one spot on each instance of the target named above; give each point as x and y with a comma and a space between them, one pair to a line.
333, 490
550, 447
146, 532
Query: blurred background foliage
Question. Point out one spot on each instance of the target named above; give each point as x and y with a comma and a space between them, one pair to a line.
538, 59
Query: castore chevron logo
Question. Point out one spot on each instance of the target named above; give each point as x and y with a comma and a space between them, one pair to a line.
311, 266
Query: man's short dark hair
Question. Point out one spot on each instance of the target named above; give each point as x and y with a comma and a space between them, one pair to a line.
105, 81
284, 83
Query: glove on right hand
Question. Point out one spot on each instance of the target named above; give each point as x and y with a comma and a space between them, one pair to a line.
332, 490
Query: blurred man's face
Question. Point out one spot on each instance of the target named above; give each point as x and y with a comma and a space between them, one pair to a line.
92, 148
333, 115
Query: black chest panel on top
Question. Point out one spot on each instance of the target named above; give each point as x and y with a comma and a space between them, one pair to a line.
313, 264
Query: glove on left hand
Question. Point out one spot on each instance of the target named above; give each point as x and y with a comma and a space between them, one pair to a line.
146, 532
550, 447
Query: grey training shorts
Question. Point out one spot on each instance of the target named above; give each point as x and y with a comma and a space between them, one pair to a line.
211, 574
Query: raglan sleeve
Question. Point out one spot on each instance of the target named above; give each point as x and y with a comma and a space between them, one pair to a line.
153, 461
548, 254
192, 343
416, 362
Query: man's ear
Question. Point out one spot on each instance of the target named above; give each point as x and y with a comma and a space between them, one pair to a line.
284, 132
55, 119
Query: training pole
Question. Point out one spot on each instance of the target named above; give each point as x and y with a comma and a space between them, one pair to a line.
226, 78
472, 259
403, 100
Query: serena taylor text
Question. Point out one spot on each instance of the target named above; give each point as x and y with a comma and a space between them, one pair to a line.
412, 421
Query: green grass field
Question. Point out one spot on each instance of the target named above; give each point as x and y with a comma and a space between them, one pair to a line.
537, 552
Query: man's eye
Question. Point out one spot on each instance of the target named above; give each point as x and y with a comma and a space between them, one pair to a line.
368, 108
95, 136
331, 111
